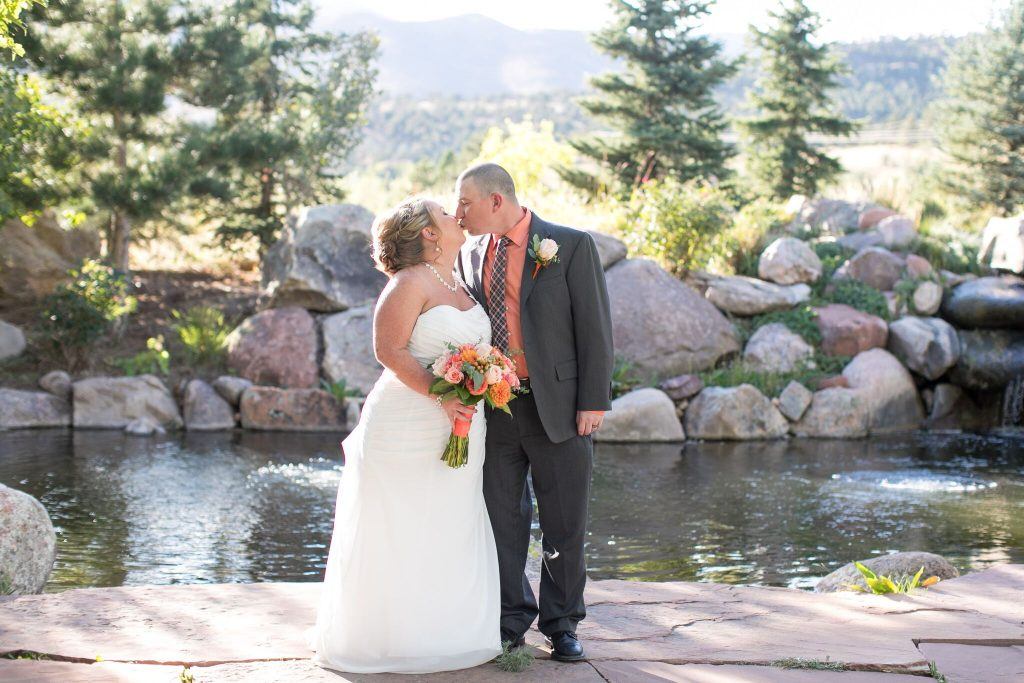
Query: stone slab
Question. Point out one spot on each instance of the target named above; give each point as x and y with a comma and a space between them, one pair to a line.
962, 663
654, 672
30, 671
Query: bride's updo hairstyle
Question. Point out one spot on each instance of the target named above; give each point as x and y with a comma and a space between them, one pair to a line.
396, 235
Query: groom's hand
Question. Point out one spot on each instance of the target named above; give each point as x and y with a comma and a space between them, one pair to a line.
588, 420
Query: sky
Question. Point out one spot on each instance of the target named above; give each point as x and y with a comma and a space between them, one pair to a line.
845, 20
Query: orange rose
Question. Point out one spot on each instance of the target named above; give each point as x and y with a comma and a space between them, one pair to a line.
500, 393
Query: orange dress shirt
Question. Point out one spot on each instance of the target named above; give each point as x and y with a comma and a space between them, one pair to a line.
516, 252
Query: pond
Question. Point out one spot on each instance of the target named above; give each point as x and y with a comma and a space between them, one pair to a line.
249, 506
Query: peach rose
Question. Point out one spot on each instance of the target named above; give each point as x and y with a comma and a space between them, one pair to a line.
453, 375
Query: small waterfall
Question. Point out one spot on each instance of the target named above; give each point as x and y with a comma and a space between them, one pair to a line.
1013, 403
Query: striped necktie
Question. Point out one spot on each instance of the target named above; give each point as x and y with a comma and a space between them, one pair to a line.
496, 301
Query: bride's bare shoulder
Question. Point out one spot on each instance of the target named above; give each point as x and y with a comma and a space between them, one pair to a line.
405, 288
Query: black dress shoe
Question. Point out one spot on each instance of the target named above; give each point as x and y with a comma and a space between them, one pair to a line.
565, 647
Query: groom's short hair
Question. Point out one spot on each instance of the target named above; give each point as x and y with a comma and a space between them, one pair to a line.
488, 178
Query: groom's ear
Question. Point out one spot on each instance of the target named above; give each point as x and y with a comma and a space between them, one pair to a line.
496, 201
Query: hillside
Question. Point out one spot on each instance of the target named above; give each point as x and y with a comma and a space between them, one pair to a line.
445, 82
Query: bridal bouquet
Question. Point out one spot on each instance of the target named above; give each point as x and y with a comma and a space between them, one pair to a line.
472, 372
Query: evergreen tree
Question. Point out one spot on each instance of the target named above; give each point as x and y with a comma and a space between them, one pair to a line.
289, 105
981, 121
792, 100
662, 106
111, 59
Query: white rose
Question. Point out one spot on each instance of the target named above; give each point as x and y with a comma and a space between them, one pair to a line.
548, 249
438, 366
494, 374
483, 350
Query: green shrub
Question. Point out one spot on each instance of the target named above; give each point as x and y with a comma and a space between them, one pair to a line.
81, 311
756, 225
948, 254
832, 255
203, 331
339, 390
856, 294
771, 384
155, 360
623, 377
800, 319
676, 224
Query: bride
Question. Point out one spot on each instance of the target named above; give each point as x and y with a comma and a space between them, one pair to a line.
412, 575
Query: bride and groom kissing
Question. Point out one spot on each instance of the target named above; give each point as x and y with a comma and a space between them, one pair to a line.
426, 570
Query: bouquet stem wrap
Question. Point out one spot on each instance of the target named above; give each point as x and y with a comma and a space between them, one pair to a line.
456, 453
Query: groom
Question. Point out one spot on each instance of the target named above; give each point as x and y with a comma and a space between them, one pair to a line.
550, 312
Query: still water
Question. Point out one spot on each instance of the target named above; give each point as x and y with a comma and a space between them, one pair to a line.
247, 506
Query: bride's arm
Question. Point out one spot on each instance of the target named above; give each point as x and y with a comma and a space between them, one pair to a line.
398, 308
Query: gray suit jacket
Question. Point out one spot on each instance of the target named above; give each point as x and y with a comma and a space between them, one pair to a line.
566, 324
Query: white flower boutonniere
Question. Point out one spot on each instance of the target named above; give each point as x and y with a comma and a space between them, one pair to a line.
543, 252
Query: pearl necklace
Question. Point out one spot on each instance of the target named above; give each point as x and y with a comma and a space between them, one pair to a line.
454, 287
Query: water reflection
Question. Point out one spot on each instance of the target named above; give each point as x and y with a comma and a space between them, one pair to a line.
259, 506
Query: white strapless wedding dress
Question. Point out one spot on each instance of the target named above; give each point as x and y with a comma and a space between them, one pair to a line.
412, 575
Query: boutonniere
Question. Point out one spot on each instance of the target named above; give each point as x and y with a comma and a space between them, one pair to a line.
543, 252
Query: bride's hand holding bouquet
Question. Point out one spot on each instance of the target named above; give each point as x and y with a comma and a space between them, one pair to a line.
472, 373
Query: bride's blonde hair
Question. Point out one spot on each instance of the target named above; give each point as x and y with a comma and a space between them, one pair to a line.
396, 235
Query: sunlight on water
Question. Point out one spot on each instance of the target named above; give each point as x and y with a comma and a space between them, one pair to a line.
918, 482
319, 473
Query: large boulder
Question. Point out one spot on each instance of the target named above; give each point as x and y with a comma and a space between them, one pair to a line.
21, 409
205, 409
741, 295
348, 349
12, 341
734, 413
1002, 244
834, 413
896, 231
874, 266
829, 215
293, 410
895, 565
987, 302
28, 543
845, 331
869, 218
34, 260
928, 346
277, 346
774, 348
644, 415
989, 359
610, 249
887, 389
662, 326
113, 402
322, 261
788, 261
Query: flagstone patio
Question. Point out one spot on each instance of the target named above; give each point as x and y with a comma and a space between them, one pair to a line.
971, 627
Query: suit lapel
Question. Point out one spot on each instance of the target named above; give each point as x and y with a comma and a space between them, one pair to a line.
526, 285
479, 256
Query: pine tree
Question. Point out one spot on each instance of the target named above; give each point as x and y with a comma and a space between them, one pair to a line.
662, 106
981, 120
792, 100
289, 106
